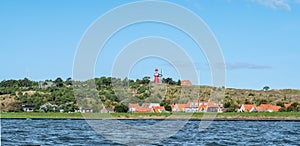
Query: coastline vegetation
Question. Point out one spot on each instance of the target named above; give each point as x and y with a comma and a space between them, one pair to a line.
58, 95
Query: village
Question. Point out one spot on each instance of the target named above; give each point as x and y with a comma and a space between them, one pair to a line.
202, 106
191, 106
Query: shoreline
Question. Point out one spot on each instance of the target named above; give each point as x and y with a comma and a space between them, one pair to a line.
160, 119
288, 116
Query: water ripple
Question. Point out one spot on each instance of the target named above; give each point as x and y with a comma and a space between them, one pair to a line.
78, 132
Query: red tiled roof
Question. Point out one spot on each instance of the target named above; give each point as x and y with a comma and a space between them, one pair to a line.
142, 110
131, 105
260, 109
212, 104
182, 106
186, 83
202, 106
270, 107
158, 109
248, 107
287, 105
179, 106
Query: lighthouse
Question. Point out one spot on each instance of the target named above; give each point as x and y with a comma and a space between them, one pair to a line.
157, 76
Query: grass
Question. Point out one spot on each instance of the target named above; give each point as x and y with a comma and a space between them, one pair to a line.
42, 115
219, 116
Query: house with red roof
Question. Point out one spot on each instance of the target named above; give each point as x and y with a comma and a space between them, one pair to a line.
144, 108
178, 107
269, 108
191, 107
159, 109
260, 108
209, 107
248, 108
287, 105
197, 106
186, 83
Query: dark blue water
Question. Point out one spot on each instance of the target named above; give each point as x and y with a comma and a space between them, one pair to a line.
78, 132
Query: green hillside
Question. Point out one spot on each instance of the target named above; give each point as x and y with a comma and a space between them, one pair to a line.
117, 93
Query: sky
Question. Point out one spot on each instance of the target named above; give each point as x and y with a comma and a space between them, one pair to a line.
259, 40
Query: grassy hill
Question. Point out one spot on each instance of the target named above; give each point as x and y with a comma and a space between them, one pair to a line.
112, 92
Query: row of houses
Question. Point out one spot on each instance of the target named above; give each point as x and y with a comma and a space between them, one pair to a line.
146, 108
198, 106
260, 108
89, 110
191, 106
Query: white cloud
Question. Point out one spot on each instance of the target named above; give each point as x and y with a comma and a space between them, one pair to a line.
274, 4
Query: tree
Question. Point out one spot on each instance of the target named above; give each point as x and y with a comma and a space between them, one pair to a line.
179, 83
294, 107
25, 82
166, 104
121, 108
263, 101
246, 101
168, 108
168, 81
227, 104
280, 104
69, 81
59, 82
146, 80
266, 88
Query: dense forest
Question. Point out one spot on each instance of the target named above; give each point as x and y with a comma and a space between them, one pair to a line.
108, 92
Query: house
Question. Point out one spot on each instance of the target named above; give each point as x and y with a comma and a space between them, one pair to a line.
143, 110
48, 107
248, 108
210, 107
149, 105
191, 106
269, 108
190, 109
84, 110
186, 83
197, 106
146, 107
214, 107
28, 108
202, 108
178, 107
153, 104
195, 103
159, 109
132, 107
287, 105
107, 110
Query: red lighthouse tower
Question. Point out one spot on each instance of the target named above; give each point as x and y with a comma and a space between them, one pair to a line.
157, 76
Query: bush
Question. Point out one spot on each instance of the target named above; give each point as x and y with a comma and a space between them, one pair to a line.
168, 108
121, 108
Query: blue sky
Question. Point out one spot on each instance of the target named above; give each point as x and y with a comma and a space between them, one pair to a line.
259, 40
